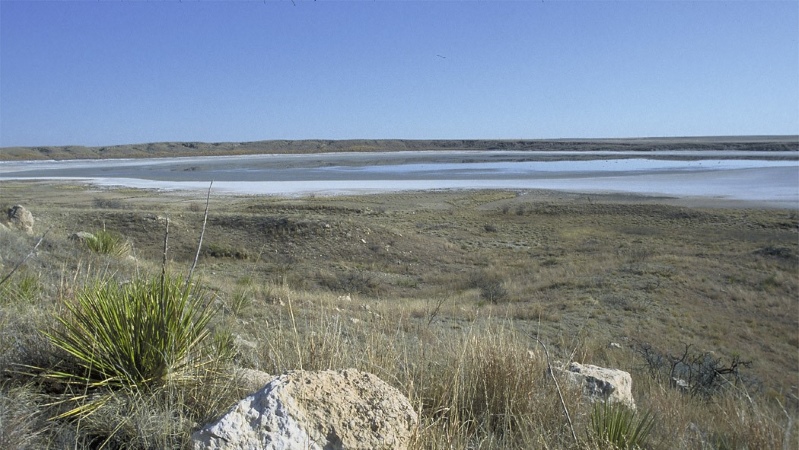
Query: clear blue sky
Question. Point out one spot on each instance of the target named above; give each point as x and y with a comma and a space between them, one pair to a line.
117, 72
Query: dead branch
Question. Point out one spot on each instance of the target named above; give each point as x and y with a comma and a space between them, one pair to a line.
202, 233
560, 393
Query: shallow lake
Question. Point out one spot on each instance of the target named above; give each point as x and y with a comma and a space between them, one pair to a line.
763, 177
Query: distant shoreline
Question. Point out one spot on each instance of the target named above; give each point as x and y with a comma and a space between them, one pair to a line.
730, 175
181, 149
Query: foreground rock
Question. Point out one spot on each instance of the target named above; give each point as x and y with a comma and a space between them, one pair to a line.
599, 383
20, 218
345, 409
251, 380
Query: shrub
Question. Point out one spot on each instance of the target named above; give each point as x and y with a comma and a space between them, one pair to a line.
221, 251
617, 425
490, 285
133, 336
700, 373
359, 281
108, 243
105, 203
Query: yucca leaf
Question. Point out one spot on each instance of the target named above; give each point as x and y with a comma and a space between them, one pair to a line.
619, 426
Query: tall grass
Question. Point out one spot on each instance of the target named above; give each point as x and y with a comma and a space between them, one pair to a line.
467, 363
482, 383
20, 425
479, 385
24, 288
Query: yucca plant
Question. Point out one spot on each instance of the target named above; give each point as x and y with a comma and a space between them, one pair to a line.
107, 243
135, 336
25, 289
617, 425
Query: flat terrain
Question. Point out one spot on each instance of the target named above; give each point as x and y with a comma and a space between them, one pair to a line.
575, 268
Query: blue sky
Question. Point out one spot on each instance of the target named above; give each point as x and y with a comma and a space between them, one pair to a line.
117, 72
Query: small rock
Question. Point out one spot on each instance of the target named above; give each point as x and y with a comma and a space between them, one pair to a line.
680, 384
21, 219
81, 236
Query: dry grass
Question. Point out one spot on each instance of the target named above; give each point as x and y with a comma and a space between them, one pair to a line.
399, 285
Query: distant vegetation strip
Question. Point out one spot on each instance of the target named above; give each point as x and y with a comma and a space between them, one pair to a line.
178, 149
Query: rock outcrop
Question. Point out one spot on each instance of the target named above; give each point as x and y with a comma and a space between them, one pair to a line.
20, 218
345, 409
599, 383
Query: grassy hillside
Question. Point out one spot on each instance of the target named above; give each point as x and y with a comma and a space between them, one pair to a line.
441, 294
175, 149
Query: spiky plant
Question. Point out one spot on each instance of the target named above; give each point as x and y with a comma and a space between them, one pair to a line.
619, 426
108, 243
133, 336
25, 288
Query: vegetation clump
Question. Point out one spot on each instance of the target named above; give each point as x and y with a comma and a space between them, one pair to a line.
490, 285
618, 426
107, 243
698, 373
133, 336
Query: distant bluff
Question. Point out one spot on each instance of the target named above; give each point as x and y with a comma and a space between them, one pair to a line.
177, 149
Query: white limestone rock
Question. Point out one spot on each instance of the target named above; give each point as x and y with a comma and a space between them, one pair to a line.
600, 383
345, 409
20, 218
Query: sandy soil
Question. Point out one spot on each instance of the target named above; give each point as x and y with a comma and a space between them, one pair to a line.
80, 195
